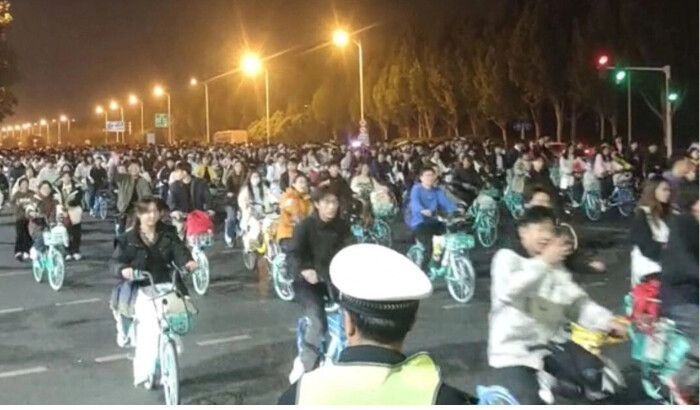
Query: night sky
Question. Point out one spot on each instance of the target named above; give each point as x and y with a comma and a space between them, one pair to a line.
74, 54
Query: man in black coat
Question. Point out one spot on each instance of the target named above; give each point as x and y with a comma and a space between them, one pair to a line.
188, 193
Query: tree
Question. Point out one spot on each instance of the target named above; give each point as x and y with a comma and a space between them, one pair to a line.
329, 105
8, 68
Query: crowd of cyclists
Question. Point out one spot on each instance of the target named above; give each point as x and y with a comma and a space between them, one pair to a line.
317, 191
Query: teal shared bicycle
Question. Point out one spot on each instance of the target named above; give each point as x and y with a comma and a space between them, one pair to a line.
513, 202
450, 259
175, 313
484, 212
49, 262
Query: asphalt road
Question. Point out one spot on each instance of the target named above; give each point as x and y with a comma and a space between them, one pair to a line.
59, 347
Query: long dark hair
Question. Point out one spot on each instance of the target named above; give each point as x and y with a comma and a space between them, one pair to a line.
250, 184
659, 211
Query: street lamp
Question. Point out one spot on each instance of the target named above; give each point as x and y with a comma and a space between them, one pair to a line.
158, 91
61, 118
100, 111
194, 83
341, 38
114, 105
251, 66
133, 100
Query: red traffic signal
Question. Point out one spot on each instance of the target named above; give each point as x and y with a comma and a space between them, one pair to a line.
603, 60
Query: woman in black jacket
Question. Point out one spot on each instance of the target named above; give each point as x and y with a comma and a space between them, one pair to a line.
649, 230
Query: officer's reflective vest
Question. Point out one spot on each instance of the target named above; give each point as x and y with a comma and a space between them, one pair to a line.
413, 381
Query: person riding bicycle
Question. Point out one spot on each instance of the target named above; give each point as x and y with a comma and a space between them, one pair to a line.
425, 200
315, 241
533, 297
466, 182
295, 205
163, 177
151, 246
372, 369
42, 212
187, 193
131, 188
97, 181
254, 197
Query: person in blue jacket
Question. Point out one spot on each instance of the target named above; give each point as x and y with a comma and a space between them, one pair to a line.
425, 201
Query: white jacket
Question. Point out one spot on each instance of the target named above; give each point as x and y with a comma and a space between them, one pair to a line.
530, 302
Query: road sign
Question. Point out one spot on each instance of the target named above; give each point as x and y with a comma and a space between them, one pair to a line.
115, 126
161, 120
522, 126
151, 138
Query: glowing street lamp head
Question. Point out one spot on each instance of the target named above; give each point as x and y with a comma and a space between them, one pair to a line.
42, 122
17, 128
341, 38
193, 81
133, 99
26, 126
113, 105
63, 118
251, 64
158, 91
99, 109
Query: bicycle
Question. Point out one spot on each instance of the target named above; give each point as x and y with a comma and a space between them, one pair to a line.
622, 196
174, 318
484, 210
611, 379
197, 243
50, 261
454, 264
378, 232
513, 202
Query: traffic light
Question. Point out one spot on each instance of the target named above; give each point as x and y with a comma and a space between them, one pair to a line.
673, 96
620, 76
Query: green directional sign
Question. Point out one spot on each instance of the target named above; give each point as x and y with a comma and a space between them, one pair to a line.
161, 120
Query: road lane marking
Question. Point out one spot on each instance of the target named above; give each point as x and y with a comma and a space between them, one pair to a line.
11, 310
78, 302
22, 372
13, 273
112, 358
455, 306
223, 340
292, 329
597, 284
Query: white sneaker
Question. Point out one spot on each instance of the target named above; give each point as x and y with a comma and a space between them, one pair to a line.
77, 256
25, 256
297, 371
69, 257
33, 254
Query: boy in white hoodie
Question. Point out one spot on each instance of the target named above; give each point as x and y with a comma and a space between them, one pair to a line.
533, 297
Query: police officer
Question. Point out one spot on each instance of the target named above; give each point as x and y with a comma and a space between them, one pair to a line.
379, 291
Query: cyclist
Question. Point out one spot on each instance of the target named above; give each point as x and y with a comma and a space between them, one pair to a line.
97, 181
163, 177
295, 205
253, 194
290, 174
649, 230
150, 246
532, 297
339, 185
466, 182
425, 200
187, 193
315, 241
71, 196
131, 188
233, 180
372, 369
21, 198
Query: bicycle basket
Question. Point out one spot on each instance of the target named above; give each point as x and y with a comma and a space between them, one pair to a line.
57, 236
383, 211
485, 201
202, 241
459, 241
357, 230
179, 323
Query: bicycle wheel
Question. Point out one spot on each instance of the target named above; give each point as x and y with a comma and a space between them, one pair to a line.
250, 259
38, 270
415, 254
626, 206
461, 279
381, 232
169, 373
200, 277
282, 284
591, 206
57, 272
486, 230
103, 209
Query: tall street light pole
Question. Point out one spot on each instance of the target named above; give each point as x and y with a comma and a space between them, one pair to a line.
133, 100
252, 65
159, 91
341, 38
205, 84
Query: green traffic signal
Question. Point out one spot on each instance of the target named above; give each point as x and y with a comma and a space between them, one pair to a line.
673, 96
620, 76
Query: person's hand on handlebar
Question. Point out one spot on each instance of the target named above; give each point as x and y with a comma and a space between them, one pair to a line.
426, 212
191, 266
128, 274
310, 275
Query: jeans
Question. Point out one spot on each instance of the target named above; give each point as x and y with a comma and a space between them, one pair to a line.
75, 233
686, 318
231, 222
22, 239
311, 299
424, 233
